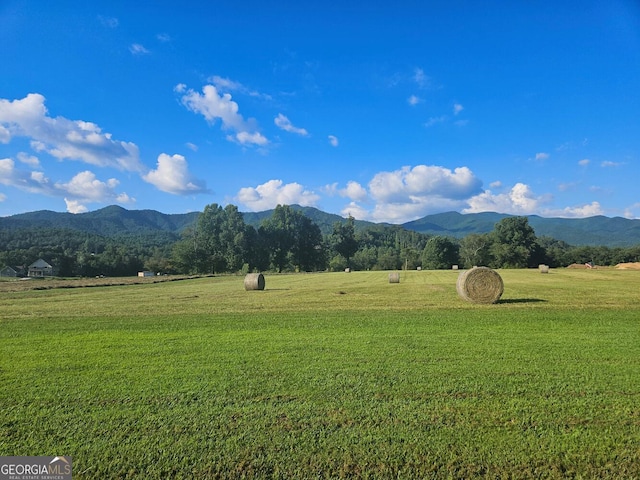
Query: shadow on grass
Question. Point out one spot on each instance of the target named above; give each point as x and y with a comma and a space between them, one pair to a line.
522, 300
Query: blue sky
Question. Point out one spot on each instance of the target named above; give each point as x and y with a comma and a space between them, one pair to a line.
388, 111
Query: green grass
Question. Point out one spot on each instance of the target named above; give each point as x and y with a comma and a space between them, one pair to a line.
328, 376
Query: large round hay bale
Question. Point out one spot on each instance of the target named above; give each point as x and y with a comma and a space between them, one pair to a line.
543, 268
394, 277
480, 285
254, 281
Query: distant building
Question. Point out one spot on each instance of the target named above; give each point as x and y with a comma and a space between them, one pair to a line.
146, 274
40, 268
8, 272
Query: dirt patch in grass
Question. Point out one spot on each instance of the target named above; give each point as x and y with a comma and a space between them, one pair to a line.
25, 284
628, 266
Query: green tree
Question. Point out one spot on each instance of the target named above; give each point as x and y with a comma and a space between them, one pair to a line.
514, 243
439, 253
475, 250
294, 241
343, 239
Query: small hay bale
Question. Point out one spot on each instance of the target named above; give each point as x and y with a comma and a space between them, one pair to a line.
254, 281
543, 268
347, 270
419, 268
394, 277
480, 285
454, 267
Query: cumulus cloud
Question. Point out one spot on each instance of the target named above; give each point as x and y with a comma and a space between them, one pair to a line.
457, 108
285, 124
273, 193
354, 191
333, 140
172, 176
584, 162
541, 156
589, 210
520, 200
82, 188
74, 206
214, 106
27, 159
410, 193
65, 139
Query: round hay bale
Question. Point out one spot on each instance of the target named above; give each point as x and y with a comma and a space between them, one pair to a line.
480, 285
254, 281
394, 277
543, 268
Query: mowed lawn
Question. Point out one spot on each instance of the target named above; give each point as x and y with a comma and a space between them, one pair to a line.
329, 375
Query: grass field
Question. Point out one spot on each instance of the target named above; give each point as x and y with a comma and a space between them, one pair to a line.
328, 375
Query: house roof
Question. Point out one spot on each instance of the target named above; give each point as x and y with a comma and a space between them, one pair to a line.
40, 263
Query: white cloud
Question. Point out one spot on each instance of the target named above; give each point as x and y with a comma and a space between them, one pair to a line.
27, 159
192, 146
410, 193
66, 139
172, 176
285, 124
541, 156
633, 211
228, 85
588, 210
414, 100
74, 206
421, 79
457, 108
5, 135
423, 181
609, 164
83, 187
214, 106
244, 138
584, 162
273, 193
496, 184
333, 140
3, 197
87, 188
138, 49
435, 120
163, 37
520, 200
354, 191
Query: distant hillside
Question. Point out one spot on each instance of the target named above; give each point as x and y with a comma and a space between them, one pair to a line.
116, 221
109, 221
605, 231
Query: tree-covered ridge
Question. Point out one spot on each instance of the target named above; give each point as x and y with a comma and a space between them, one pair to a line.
220, 240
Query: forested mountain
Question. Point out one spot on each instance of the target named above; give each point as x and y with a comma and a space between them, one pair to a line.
115, 221
109, 221
592, 231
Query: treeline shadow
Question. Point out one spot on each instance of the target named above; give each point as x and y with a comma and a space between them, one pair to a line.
522, 300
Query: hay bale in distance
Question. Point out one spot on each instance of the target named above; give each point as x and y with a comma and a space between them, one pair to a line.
254, 281
543, 268
394, 277
480, 285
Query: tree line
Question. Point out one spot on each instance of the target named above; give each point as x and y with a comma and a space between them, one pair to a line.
221, 242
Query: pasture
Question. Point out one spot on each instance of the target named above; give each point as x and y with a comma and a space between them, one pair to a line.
328, 375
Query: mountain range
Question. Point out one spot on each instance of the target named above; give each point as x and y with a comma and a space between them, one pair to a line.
115, 221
